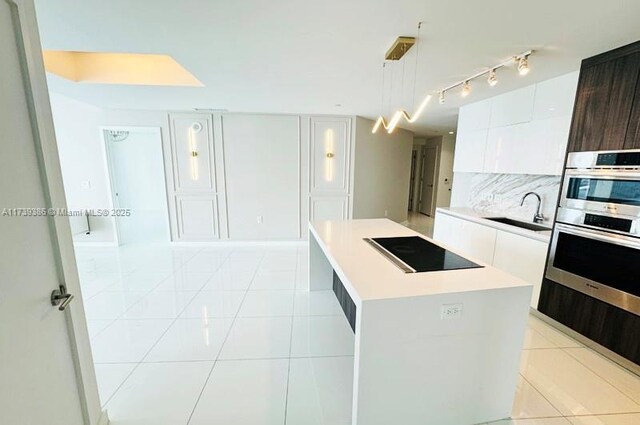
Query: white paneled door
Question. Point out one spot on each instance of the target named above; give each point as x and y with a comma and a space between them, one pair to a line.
330, 152
38, 374
194, 194
192, 153
197, 218
329, 208
329, 171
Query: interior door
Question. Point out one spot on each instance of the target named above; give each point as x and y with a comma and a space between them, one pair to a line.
429, 155
137, 178
414, 155
38, 382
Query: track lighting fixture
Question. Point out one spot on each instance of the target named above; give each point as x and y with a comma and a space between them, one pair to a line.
521, 61
466, 89
492, 80
523, 65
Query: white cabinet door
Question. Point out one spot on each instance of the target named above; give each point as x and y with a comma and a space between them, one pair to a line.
470, 151
474, 116
536, 147
328, 208
444, 227
192, 152
522, 257
505, 149
514, 107
477, 241
555, 97
547, 145
197, 218
330, 151
465, 237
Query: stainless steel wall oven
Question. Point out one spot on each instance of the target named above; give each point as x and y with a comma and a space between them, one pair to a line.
595, 247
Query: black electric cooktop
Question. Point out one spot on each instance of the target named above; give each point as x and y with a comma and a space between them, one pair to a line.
419, 255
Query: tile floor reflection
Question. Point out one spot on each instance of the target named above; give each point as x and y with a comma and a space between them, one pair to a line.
230, 335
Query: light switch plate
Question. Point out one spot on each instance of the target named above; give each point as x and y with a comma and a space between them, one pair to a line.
451, 311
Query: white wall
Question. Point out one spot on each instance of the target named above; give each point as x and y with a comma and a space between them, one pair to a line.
82, 158
262, 174
382, 172
261, 160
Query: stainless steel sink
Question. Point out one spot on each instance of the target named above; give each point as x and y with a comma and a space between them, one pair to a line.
522, 224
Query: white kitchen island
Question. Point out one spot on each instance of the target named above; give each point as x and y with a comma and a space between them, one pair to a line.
431, 348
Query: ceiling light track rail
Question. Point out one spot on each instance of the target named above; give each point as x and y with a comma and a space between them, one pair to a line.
521, 60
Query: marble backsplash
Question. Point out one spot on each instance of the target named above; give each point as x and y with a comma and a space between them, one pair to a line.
501, 194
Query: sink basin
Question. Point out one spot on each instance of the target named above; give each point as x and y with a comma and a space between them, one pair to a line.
522, 224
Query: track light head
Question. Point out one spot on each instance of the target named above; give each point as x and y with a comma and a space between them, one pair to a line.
441, 98
492, 80
466, 89
523, 65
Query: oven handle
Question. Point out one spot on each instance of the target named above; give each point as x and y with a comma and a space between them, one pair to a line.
614, 174
598, 235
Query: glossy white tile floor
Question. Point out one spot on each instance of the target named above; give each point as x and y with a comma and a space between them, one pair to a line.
205, 336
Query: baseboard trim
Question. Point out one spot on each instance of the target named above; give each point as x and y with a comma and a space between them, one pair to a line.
240, 243
95, 244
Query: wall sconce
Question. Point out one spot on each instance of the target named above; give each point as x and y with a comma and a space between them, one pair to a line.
328, 164
195, 128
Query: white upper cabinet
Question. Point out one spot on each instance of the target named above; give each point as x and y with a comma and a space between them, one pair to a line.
475, 116
471, 140
521, 132
470, 150
505, 146
547, 140
555, 97
514, 107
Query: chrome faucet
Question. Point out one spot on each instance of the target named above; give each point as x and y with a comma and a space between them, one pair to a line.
537, 218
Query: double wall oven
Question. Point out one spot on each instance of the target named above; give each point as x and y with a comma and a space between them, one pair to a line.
595, 248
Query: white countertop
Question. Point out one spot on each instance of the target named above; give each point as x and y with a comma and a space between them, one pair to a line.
373, 277
472, 215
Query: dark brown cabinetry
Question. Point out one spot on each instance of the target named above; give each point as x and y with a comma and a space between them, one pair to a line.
610, 326
347, 304
606, 115
632, 140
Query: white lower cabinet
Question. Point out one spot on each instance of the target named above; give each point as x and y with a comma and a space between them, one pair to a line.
522, 257
518, 255
472, 239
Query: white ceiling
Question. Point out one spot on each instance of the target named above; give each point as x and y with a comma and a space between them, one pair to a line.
295, 56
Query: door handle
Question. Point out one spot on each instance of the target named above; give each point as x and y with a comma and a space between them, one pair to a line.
61, 297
